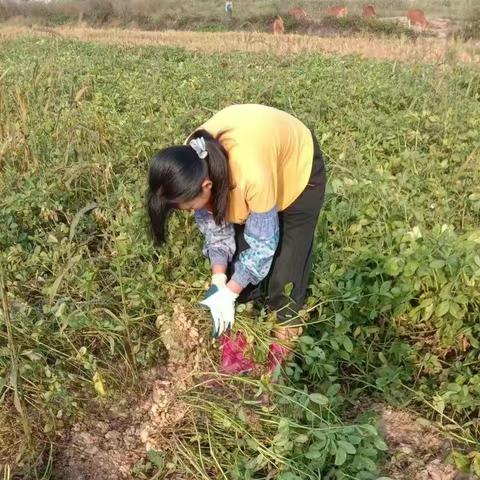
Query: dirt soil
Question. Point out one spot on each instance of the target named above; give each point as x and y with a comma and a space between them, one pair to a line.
417, 450
107, 445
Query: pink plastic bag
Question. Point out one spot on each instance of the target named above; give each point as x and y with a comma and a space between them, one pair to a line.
233, 360
277, 355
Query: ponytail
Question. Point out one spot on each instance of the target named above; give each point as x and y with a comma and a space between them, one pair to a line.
218, 172
158, 211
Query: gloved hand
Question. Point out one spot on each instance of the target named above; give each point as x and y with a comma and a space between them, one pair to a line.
222, 309
219, 280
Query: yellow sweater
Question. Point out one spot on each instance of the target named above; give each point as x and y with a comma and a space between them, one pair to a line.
270, 157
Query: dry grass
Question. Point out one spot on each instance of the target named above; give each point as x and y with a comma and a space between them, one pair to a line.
12, 441
428, 50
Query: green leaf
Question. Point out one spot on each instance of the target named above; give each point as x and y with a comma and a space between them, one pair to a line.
368, 464
306, 340
318, 398
370, 429
283, 425
462, 462
348, 447
455, 310
321, 437
316, 449
288, 289
313, 454
257, 462
410, 268
380, 444
347, 344
288, 476
333, 390
355, 439
392, 266
98, 384
368, 451
438, 403
302, 438
475, 236
436, 264
428, 312
442, 308
156, 458
340, 457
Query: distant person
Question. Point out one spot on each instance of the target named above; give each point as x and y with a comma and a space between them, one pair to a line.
255, 179
229, 9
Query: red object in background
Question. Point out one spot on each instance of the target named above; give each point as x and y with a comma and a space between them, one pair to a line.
233, 359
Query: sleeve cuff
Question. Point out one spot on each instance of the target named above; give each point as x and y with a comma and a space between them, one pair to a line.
218, 257
242, 276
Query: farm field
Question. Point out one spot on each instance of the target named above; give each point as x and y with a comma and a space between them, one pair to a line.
424, 50
107, 368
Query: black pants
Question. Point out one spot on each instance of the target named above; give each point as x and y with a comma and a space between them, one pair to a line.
292, 262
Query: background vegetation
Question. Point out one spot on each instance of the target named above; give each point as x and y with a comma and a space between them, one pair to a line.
210, 15
395, 294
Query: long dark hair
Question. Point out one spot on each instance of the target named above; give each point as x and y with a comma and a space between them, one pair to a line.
176, 175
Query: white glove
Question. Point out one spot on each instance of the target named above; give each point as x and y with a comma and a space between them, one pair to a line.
222, 309
219, 280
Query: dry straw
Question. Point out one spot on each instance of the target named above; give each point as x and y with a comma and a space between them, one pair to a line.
430, 50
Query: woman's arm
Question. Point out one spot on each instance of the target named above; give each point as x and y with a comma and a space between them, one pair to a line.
219, 244
262, 235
